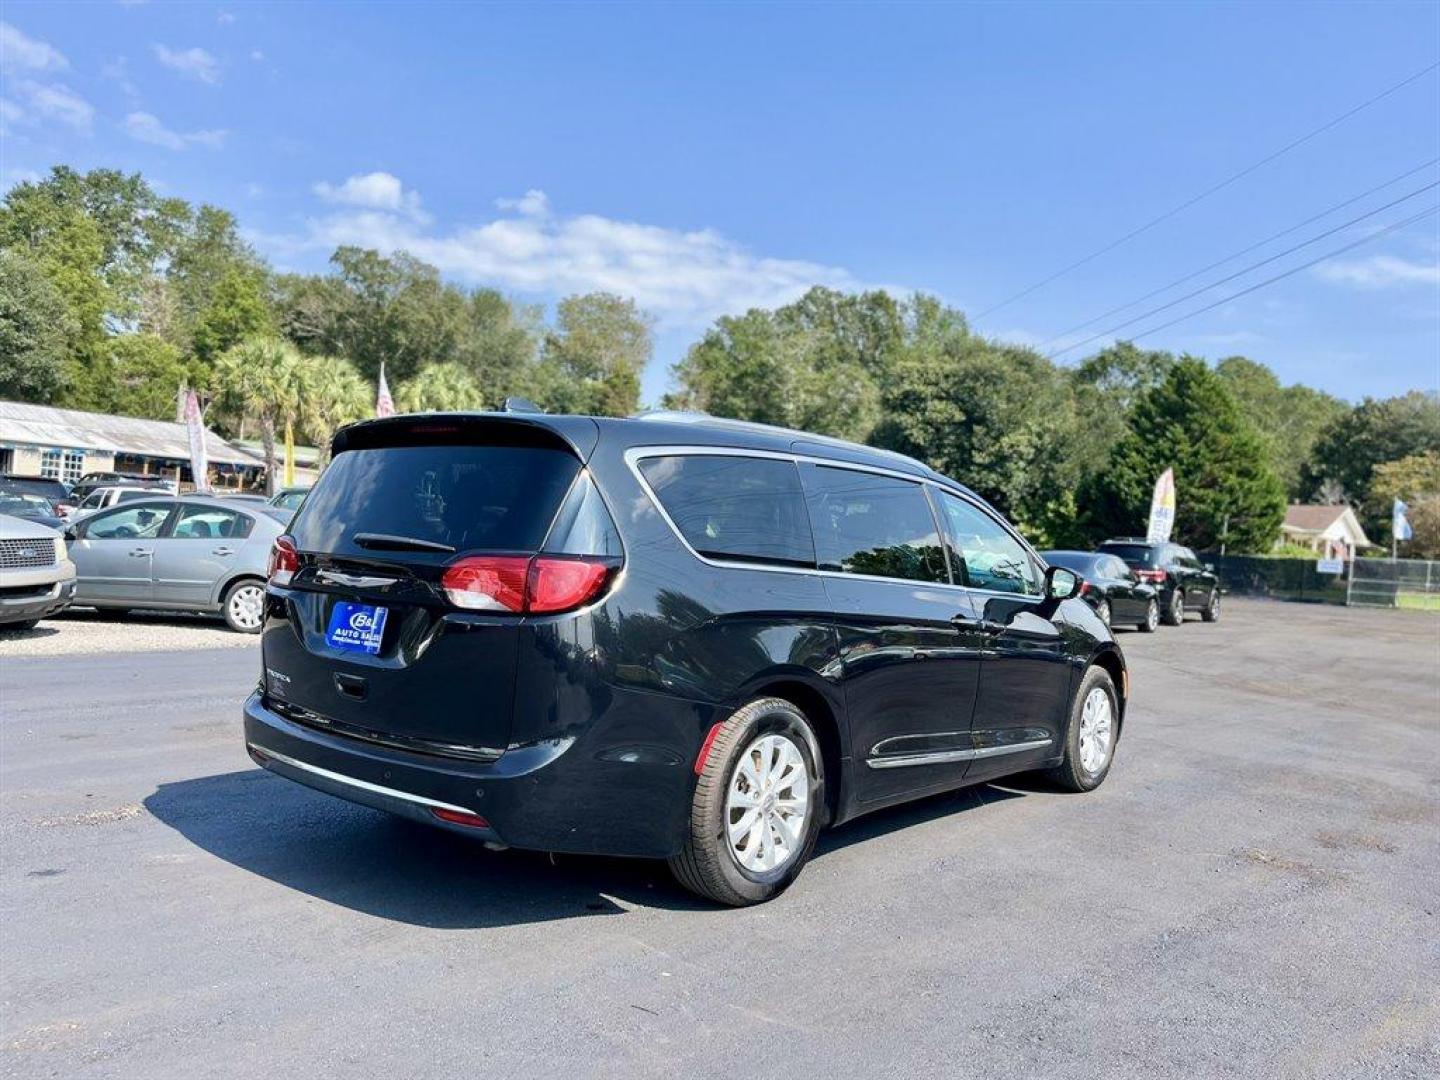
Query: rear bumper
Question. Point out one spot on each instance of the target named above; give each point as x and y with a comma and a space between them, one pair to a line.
548, 797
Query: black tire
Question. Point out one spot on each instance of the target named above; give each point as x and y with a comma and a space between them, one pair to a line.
1175, 609
1152, 617
111, 612
1211, 611
233, 618
706, 865
20, 627
1102, 610
1071, 774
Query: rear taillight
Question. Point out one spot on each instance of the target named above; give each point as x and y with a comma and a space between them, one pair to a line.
540, 584
284, 560
1152, 576
1084, 588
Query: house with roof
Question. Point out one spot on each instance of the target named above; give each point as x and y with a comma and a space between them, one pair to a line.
1332, 532
65, 444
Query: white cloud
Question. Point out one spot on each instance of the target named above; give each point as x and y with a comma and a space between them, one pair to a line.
257, 55
41, 102
373, 191
224, 18
21, 53
10, 177
10, 115
1379, 272
195, 63
532, 204
147, 128
684, 278
254, 190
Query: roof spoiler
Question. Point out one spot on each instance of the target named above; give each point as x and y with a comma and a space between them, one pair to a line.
520, 405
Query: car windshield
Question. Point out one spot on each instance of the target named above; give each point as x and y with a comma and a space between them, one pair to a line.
1134, 554
20, 504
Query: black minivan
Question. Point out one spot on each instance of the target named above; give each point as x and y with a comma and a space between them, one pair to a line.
669, 636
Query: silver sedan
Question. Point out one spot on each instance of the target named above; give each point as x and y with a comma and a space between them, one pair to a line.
187, 553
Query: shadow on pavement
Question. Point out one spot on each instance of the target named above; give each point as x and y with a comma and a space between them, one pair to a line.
396, 869
34, 633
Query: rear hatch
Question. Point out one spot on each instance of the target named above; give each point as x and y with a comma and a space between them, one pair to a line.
404, 578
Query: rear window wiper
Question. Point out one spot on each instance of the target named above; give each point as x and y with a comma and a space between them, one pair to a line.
387, 542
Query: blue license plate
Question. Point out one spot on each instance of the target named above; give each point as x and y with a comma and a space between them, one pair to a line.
356, 627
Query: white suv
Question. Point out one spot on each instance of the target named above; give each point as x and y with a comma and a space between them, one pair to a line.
37, 578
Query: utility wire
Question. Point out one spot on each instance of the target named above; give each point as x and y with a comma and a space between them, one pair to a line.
1210, 191
1245, 270
1237, 254
1287, 273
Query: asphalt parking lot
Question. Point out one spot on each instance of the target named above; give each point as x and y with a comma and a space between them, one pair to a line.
1254, 892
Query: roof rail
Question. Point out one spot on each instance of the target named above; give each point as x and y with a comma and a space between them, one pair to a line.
678, 416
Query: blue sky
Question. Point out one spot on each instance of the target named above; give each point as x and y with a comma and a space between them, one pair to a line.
710, 158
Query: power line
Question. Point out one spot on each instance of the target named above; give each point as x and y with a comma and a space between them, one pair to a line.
1237, 254
1245, 270
1293, 270
1210, 191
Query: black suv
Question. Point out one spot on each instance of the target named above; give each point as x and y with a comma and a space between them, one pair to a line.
1182, 580
668, 636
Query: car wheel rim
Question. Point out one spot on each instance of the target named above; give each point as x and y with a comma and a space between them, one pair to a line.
1152, 615
1178, 606
1097, 726
247, 606
767, 805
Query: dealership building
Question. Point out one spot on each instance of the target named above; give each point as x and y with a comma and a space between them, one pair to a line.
65, 444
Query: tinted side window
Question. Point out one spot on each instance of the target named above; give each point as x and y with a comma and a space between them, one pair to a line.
745, 508
209, 523
870, 524
988, 555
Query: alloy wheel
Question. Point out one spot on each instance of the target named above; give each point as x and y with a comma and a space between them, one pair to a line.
1152, 615
1097, 731
767, 804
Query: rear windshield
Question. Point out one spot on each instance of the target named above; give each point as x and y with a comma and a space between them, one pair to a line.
1071, 560
1134, 554
470, 498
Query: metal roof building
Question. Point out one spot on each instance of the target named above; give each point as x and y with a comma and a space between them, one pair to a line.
67, 443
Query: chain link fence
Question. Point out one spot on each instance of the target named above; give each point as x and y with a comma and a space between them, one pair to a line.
1403, 583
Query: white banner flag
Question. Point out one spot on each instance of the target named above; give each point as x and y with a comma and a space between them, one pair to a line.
1162, 509
195, 428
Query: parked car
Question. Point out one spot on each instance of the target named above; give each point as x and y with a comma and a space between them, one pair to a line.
156, 485
102, 497
36, 508
289, 498
670, 637
55, 491
244, 496
1110, 587
37, 579
1181, 579
192, 553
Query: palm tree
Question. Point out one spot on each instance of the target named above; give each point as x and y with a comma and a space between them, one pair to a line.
446, 387
335, 394
264, 376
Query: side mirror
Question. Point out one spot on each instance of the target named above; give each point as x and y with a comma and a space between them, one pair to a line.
70, 534
1061, 584
1210, 566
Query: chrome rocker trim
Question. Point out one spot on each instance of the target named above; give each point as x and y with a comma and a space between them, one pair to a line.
363, 785
940, 757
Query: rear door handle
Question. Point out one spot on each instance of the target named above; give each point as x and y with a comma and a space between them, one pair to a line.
139, 553
985, 626
222, 551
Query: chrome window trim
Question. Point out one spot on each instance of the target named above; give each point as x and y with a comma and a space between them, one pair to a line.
940, 757
636, 454
363, 785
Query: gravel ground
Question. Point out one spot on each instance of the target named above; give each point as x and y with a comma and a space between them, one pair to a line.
86, 632
1253, 893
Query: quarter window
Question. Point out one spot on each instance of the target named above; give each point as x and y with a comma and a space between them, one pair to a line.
986, 555
745, 508
875, 525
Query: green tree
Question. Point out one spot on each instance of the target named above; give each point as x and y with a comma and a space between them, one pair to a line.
1414, 480
440, 388
237, 309
332, 393
1191, 423
1289, 418
35, 329
1348, 450
264, 377
1106, 387
146, 372
592, 359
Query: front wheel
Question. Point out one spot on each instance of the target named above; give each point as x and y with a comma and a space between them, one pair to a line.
1175, 610
1152, 617
757, 808
244, 606
1091, 734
